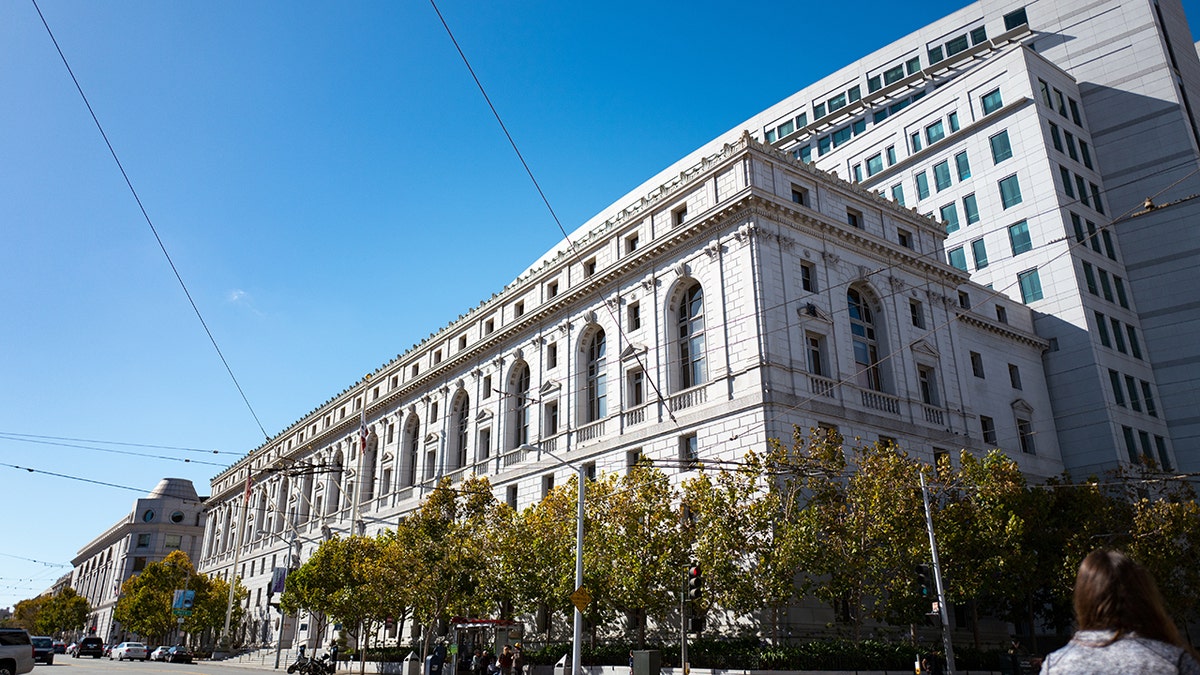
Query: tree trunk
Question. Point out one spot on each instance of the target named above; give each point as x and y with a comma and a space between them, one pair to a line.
975, 623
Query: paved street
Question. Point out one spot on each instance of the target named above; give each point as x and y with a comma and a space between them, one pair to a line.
65, 665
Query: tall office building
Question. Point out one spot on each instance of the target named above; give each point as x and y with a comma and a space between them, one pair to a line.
1036, 132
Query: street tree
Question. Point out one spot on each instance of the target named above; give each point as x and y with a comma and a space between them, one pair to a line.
146, 599
65, 611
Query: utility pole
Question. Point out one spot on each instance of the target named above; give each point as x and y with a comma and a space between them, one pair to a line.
937, 577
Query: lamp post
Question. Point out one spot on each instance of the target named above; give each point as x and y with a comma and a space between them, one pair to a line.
577, 637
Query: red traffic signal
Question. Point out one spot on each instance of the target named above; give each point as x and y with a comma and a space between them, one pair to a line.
695, 583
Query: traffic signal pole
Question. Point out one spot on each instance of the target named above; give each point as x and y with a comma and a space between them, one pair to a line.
937, 578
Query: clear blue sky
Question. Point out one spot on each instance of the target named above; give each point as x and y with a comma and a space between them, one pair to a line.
332, 188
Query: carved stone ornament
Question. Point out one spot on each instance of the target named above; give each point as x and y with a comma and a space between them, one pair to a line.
519, 353
589, 316
680, 269
897, 282
565, 327
746, 232
649, 283
713, 250
830, 257
925, 349
613, 302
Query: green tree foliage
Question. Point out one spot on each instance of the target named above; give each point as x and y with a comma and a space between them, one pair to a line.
26, 613
146, 599
65, 611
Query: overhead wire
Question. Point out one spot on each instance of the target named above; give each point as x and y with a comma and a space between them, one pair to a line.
146, 215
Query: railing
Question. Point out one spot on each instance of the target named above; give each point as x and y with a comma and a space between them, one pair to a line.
590, 431
550, 444
880, 401
823, 386
457, 475
635, 416
689, 398
933, 415
514, 456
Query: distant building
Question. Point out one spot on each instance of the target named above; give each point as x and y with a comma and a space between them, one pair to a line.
170, 518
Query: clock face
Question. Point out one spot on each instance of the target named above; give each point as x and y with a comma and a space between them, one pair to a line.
177, 517
148, 515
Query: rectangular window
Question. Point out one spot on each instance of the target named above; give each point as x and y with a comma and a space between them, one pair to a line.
971, 208
1163, 458
957, 258
785, 129
172, 541
1086, 153
815, 346
1077, 226
1105, 286
1102, 329
935, 132
143, 541
552, 289
841, 136
678, 217
992, 102
1131, 386
1055, 137
1135, 347
1010, 192
905, 238
1096, 203
977, 365
485, 443
874, 83
1001, 148
1083, 194
689, 452
917, 313
799, 195
631, 243
979, 253
1146, 450
856, 170
963, 165
634, 315
927, 384
487, 386
808, 277
837, 102
1018, 238
964, 300
941, 175
1114, 378
1066, 181
912, 65
510, 496
988, 426
1149, 398
854, 218
139, 563
1014, 376
957, 45
1025, 433
874, 164
1090, 277
950, 217
935, 55
922, 185
1044, 89
978, 35
952, 120
547, 484
552, 355
1120, 286
898, 194
550, 418
1118, 335
890, 152
1069, 141
805, 154
1031, 285
915, 139
1108, 244
1062, 102
1130, 444
1075, 117
635, 382
824, 145
818, 110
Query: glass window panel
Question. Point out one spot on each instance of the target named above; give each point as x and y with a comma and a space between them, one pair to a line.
950, 217
1018, 237
1010, 192
874, 84
963, 164
913, 65
1001, 148
1056, 137
893, 75
1031, 285
935, 132
1114, 379
957, 45
978, 35
992, 101
971, 209
916, 141
941, 175
1083, 195
898, 194
935, 55
1075, 112
1086, 153
1066, 180
958, 258
922, 185
979, 253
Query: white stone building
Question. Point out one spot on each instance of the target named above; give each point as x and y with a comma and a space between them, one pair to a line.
170, 518
750, 293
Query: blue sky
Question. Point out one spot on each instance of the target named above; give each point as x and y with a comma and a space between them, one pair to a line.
331, 187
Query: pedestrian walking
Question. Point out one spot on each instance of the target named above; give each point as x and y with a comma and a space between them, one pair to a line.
1122, 626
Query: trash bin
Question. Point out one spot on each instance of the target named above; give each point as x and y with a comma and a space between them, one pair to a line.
412, 665
434, 662
647, 662
563, 667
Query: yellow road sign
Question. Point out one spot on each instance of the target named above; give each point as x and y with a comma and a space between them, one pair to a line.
580, 598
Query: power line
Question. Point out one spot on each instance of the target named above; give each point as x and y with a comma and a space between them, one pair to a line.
185, 460
162, 246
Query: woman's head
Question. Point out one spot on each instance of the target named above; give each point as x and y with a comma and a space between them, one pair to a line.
1114, 593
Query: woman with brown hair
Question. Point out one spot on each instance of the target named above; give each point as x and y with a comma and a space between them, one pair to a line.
1122, 626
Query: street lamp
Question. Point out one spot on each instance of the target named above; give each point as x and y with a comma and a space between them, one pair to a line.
577, 637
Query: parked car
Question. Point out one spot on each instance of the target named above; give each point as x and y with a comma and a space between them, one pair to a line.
43, 648
129, 650
60, 647
16, 653
158, 654
89, 646
178, 654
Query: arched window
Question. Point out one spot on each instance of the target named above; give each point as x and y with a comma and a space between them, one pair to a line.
281, 504
462, 420
866, 345
690, 337
518, 406
597, 386
412, 448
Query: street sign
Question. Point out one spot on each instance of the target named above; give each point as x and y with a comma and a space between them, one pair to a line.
580, 598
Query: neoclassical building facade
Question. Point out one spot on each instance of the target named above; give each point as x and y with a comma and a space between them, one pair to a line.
749, 294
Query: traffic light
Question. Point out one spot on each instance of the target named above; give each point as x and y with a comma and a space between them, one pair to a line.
924, 585
695, 583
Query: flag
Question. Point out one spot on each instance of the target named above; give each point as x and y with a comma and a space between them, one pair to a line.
249, 484
362, 430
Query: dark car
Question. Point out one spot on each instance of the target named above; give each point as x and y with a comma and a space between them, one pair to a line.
89, 646
43, 648
60, 647
178, 654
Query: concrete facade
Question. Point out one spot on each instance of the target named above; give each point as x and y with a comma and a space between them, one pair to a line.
170, 518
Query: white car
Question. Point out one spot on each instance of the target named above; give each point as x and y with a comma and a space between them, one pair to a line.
160, 654
129, 650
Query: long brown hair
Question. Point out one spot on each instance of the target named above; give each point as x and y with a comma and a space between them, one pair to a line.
1112, 592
